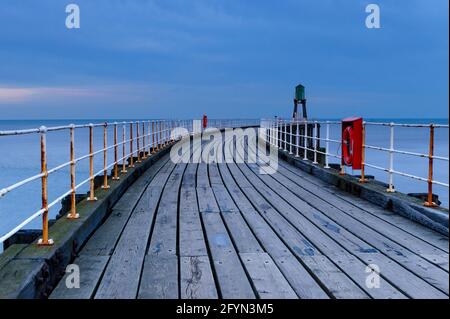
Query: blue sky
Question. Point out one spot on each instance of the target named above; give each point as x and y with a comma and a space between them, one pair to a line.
174, 58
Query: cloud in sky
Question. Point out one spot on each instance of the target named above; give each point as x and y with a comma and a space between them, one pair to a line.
225, 58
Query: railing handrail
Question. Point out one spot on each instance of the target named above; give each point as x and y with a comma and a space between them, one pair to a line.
152, 140
278, 126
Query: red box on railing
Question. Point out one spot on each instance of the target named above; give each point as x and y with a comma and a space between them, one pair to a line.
352, 142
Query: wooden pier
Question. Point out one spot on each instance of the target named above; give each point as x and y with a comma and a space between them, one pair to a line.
223, 230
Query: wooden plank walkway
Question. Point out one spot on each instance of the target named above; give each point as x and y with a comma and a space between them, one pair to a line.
223, 230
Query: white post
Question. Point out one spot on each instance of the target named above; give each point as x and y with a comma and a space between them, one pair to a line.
327, 146
391, 161
297, 140
285, 135
290, 137
305, 147
315, 142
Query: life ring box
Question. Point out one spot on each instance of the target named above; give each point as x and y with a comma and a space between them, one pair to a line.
352, 142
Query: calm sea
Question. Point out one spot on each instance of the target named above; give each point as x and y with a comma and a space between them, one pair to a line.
19, 159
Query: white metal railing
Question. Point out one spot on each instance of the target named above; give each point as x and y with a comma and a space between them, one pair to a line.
290, 140
142, 138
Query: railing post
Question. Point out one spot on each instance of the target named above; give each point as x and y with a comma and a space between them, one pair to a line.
124, 167
44, 241
165, 133
116, 155
390, 188
297, 139
305, 142
73, 210
316, 134
138, 148
131, 146
144, 153
105, 153
363, 155
290, 137
327, 145
160, 140
153, 138
429, 202
149, 134
285, 135
91, 164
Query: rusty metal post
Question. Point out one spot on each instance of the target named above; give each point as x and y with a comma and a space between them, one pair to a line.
363, 155
429, 202
44, 241
124, 167
137, 144
105, 159
91, 164
116, 155
73, 210
131, 145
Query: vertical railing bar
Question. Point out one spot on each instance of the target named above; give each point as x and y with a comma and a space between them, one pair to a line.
363, 155
390, 188
327, 145
44, 241
124, 167
105, 156
73, 210
429, 201
91, 164
116, 155
131, 146
315, 135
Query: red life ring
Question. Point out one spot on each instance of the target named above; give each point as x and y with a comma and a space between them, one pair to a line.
347, 149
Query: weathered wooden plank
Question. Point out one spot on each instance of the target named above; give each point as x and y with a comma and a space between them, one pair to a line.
319, 199
206, 200
122, 275
338, 196
410, 284
90, 270
189, 177
314, 237
338, 284
224, 200
192, 241
164, 237
159, 277
300, 280
214, 175
202, 175
196, 278
269, 282
241, 234
231, 277
188, 199
420, 265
